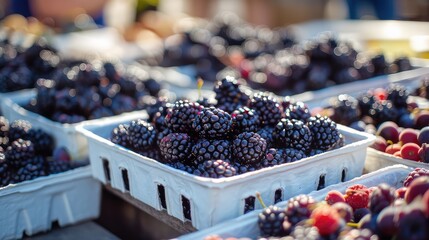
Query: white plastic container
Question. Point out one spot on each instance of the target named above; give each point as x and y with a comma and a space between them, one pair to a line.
212, 201
16, 94
376, 160
32, 206
246, 225
64, 134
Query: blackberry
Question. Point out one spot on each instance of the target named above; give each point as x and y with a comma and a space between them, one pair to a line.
245, 168
381, 197
180, 117
292, 133
380, 65
183, 167
398, 95
383, 111
43, 142
205, 102
229, 96
151, 153
271, 222
211, 149
346, 109
324, 131
159, 121
4, 127
212, 123
267, 107
176, 147
273, 157
298, 110
299, 208
215, 169
119, 135
267, 134
19, 152
303, 232
161, 135
365, 102
315, 151
57, 166
4, 171
141, 134
28, 172
248, 148
292, 155
417, 172
19, 129
244, 119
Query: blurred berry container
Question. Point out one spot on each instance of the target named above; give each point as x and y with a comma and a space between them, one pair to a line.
212, 201
247, 226
376, 160
8, 95
64, 134
33, 206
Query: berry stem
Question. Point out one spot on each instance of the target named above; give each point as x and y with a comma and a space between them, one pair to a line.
200, 83
352, 224
258, 196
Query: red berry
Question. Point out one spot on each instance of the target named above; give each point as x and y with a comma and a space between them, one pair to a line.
409, 135
379, 144
397, 154
380, 94
400, 192
410, 151
391, 149
334, 196
357, 196
326, 219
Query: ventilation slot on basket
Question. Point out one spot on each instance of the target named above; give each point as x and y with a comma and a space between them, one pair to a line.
321, 182
278, 195
161, 195
55, 224
125, 179
186, 207
106, 169
343, 175
249, 204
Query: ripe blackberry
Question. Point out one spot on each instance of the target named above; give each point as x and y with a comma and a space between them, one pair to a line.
248, 148
244, 119
19, 129
271, 222
267, 107
292, 133
292, 154
176, 147
4, 171
19, 152
159, 121
365, 102
43, 142
211, 149
151, 153
303, 232
205, 102
141, 134
381, 197
267, 134
339, 143
346, 109
28, 172
273, 157
212, 123
183, 167
119, 135
229, 96
417, 172
383, 111
245, 168
4, 127
298, 110
179, 118
315, 151
299, 208
215, 169
57, 166
398, 94
324, 131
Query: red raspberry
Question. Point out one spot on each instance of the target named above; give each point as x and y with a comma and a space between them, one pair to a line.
334, 196
326, 219
357, 196
417, 172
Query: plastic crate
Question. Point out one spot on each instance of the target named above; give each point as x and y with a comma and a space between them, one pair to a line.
212, 201
246, 225
376, 160
64, 134
32, 206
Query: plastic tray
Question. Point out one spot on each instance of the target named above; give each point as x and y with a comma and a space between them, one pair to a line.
246, 225
64, 134
376, 160
212, 201
32, 206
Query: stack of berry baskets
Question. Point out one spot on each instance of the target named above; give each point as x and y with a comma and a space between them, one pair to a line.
39, 184
390, 203
193, 158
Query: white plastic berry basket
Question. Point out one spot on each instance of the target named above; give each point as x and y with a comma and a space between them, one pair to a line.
376, 160
246, 225
32, 206
211, 201
64, 134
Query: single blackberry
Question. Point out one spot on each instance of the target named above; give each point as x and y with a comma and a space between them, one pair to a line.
4, 171
245, 168
153, 105
298, 110
19, 129
215, 169
315, 151
267, 134
248, 148
159, 121
141, 134
151, 153
324, 131
57, 166
119, 135
244, 119
273, 157
19, 152
271, 222
183, 167
211, 149
292, 133
4, 127
43, 142
180, 117
365, 102
417, 172
267, 107
303, 232
299, 208
212, 123
383, 111
176, 147
346, 109
398, 94
229, 96
28, 172
340, 143
380, 65
161, 135
292, 155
